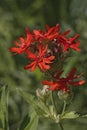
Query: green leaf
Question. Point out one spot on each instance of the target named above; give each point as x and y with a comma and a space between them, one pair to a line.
30, 123
33, 122
3, 108
41, 109
70, 115
38, 105
84, 115
24, 122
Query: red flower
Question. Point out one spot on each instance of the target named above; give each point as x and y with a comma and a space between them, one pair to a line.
50, 34
39, 59
62, 83
24, 44
69, 43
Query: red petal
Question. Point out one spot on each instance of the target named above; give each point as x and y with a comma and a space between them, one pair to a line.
78, 83
47, 27
51, 57
43, 66
54, 87
75, 46
21, 39
45, 60
36, 32
75, 37
30, 55
31, 66
45, 82
65, 33
48, 59
57, 76
27, 30
72, 73
17, 44
16, 50
41, 50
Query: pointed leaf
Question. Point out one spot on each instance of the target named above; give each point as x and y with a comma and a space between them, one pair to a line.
84, 115
70, 115
24, 122
33, 124
38, 105
30, 123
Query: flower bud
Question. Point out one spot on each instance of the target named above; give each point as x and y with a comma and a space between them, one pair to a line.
65, 96
42, 93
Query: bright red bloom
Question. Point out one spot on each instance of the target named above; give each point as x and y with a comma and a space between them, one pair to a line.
25, 44
62, 83
39, 59
50, 34
69, 42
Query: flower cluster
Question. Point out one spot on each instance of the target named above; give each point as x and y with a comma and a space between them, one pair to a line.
45, 49
62, 83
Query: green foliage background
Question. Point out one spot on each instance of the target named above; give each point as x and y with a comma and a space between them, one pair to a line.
15, 16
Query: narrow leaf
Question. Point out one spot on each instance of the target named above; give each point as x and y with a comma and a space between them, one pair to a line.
3, 108
30, 122
84, 115
33, 124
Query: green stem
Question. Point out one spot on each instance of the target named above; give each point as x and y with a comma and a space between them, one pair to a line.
53, 102
64, 107
61, 127
63, 111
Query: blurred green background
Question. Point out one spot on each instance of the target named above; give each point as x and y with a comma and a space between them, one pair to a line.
15, 16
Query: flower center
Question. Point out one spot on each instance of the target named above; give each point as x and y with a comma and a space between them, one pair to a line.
39, 59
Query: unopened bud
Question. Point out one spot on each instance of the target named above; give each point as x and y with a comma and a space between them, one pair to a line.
63, 95
42, 93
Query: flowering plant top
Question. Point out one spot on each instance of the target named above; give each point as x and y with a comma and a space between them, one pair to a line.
48, 49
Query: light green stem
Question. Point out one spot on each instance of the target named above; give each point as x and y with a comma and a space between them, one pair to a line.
54, 104
64, 108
